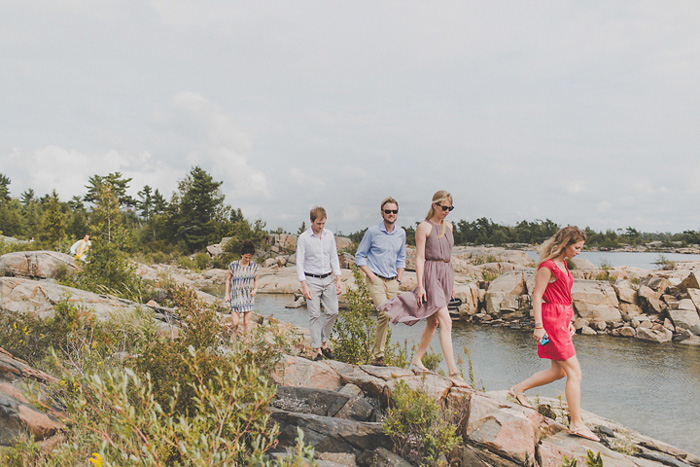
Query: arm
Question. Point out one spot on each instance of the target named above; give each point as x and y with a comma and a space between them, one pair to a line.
361, 256
335, 266
422, 233
301, 251
227, 287
541, 280
401, 258
255, 285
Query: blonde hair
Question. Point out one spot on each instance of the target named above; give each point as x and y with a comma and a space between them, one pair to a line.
317, 213
389, 200
555, 245
441, 195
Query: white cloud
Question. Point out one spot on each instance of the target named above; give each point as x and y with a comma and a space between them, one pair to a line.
302, 178
574, 187
604, 206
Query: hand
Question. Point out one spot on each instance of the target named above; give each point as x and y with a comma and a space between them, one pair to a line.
421, 296
538, 334
227, 298
306, 291
253, 292
372, 277
572, 329
338, 286
454, 292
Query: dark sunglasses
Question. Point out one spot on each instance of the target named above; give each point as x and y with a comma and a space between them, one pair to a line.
445, 208
391, 211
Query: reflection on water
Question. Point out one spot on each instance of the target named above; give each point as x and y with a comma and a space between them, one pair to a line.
652, 388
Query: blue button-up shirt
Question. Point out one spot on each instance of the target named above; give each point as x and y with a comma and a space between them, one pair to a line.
381, 251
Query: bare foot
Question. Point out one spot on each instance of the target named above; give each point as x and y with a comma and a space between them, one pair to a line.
458, 381
583, 432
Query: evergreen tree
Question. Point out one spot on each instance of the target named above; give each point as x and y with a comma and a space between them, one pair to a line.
118, 186
108, 264
53, 222
201, 214
4, 188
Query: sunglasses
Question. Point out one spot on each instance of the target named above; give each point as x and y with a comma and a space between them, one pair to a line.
391, 211
445, 208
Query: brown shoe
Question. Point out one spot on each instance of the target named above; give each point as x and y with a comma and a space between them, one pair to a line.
378, 362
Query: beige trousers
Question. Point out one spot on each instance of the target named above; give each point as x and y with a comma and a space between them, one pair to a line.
381, 291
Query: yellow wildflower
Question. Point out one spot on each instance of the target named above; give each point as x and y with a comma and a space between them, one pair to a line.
96, 459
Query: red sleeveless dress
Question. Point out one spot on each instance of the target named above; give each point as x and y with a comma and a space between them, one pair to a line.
556, 314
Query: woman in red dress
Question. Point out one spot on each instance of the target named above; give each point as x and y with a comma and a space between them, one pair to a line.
551, 304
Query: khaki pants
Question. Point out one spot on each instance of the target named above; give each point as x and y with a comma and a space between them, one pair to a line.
381, 291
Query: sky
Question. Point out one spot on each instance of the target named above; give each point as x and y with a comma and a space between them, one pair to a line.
585, 113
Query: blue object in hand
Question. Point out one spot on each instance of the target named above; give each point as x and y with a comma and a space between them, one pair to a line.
544, 340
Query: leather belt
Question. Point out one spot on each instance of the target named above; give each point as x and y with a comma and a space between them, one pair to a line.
438, 260
318, 276
385, 278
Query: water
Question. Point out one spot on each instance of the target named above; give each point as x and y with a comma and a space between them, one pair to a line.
641, 259
652, 388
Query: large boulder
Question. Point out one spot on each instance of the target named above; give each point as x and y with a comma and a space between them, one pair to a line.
690, 282
39, 297
596, 300
504, 291
659, 336
625, 292
18, 418
39, 264
504, 428
469, 294
685, 316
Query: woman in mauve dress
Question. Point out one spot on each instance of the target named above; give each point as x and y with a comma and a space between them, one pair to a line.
435, 279
551, 304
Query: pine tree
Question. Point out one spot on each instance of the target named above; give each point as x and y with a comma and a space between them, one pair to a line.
53, 222
108, 264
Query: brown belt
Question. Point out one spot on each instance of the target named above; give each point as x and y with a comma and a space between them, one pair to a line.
438, 260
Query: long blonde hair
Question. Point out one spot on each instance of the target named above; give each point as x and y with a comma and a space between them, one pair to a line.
555, 245
441, 195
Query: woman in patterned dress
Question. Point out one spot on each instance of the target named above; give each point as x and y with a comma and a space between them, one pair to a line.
551, 305
241, 287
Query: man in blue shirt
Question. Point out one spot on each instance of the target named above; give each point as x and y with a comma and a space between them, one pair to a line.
382, 257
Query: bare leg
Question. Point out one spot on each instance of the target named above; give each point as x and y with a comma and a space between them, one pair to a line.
445, 322
541, 378
234, 323
246, 322
425, 338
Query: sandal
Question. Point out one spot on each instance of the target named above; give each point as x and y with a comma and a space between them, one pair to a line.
584, 432
520, 398
458, 381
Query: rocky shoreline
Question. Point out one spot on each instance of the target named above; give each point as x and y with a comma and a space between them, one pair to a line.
348, 400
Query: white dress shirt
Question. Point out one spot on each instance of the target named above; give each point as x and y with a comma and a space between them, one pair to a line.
316, 254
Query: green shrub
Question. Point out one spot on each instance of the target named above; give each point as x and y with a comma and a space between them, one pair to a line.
116, 419
488, 275
421, 430
201, 260
662, 262
353, 333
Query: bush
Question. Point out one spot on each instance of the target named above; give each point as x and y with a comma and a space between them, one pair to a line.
355, 328
421, 430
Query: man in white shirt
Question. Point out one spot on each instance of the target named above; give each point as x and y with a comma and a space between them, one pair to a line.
80, 248
317, 263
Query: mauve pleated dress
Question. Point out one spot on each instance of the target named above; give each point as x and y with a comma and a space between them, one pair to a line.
438, 281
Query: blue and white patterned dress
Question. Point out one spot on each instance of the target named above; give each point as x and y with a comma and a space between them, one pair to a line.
242, 282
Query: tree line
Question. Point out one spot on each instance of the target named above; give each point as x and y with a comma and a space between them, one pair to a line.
194, 216
484, 231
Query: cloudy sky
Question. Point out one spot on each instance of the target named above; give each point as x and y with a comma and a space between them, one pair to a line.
585, 113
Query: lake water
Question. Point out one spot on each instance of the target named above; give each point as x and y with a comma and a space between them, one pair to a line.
644, 260
652, 388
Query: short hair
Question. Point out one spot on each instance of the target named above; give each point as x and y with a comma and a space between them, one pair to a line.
389, 200
318, 213
247, 248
